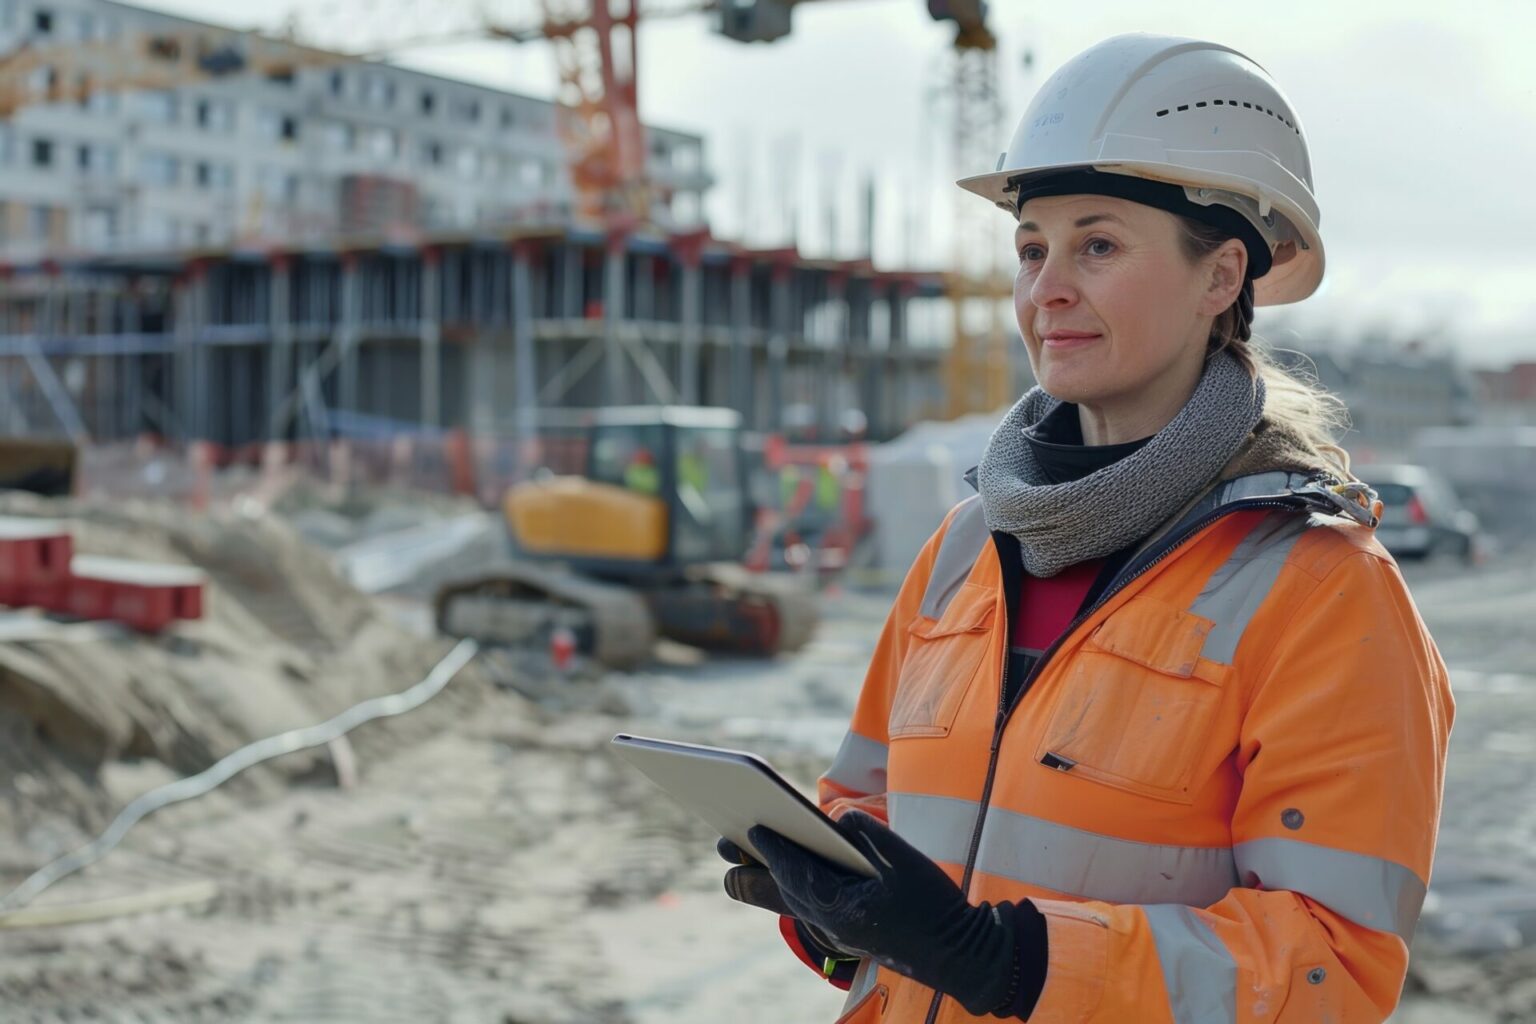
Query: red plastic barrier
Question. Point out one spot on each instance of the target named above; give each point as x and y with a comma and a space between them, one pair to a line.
140, 595
32, 552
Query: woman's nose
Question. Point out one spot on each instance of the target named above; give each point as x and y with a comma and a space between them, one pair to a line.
1053, 287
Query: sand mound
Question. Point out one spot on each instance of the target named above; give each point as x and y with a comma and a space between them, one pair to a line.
285, 642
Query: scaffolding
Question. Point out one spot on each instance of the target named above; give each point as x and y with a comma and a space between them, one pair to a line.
456, 332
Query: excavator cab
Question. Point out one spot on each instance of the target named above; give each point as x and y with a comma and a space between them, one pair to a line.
646, 540
662, 489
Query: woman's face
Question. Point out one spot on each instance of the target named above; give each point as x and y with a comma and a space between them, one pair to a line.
1112, 312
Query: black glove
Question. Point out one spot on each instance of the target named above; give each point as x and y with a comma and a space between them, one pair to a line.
749, 882
911, 919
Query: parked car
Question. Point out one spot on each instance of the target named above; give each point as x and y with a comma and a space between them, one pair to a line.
1423, 517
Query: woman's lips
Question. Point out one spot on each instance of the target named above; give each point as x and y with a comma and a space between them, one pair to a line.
1066, 341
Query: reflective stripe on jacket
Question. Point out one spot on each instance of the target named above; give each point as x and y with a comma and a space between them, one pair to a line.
1221, 786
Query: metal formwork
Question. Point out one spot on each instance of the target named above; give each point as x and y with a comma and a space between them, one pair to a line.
237, 347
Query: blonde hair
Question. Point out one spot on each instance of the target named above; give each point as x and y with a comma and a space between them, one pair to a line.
1293, 397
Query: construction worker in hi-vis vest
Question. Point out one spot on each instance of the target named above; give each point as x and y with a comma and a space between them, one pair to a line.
1154, 731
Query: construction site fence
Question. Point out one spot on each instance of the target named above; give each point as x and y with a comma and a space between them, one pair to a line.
809, 499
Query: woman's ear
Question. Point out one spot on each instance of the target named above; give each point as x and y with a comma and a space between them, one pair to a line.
1227, 265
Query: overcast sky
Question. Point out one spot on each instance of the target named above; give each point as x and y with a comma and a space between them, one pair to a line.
1421, 119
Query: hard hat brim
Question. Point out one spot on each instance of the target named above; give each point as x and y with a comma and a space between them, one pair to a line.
1289, 280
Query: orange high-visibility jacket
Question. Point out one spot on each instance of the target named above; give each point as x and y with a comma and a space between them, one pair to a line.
1221, 786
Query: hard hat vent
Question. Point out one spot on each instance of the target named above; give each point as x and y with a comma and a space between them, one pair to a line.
1257, 108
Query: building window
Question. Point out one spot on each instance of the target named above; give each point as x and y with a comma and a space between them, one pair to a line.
468, 162
383, 143
220, 115
277, 126
380, 92
428, 102
467, 110
158, 106
506, 117
338, 83
42, 22
83, 158
432, 153
100, 226
42, 153
159, 169
340, 137
276, 184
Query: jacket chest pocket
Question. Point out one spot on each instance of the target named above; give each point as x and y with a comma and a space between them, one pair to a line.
943, 658
1136, 705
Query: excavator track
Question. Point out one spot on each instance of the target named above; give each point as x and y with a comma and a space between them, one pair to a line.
724, 607
721, 607
522, 605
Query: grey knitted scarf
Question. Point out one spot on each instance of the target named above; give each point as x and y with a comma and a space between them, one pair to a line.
1059, 525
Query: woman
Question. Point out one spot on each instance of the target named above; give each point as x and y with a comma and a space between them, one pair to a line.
1154, 732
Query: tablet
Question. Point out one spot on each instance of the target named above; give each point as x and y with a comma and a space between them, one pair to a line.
733, 790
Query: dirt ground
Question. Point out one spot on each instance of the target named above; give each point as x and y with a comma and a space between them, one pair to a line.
496, 864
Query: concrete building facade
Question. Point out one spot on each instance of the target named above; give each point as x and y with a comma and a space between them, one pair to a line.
330, 149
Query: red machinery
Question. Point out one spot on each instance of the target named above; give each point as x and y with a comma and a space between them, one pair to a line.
820, 517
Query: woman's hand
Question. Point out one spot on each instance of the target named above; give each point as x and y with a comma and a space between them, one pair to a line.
749, 882
910, 918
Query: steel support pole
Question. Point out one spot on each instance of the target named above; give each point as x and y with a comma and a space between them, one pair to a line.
692, 299
866, 369
525, 366
830, 385
431, 339
781, 310
898, 412
348, 333
133, 369
741, 354
280, 358
615, 377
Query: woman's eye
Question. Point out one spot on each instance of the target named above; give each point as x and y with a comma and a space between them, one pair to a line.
1100, 247
1031, 252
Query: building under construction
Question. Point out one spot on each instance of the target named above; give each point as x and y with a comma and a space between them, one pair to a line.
459, 331
209, 235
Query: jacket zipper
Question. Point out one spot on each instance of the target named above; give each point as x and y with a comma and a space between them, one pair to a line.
1005, 709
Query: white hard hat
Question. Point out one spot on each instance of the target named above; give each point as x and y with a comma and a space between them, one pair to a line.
1161, 109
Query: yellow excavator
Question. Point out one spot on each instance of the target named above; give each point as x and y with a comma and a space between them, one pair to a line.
646, 540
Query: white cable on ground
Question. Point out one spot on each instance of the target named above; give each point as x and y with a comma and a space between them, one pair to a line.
230, 765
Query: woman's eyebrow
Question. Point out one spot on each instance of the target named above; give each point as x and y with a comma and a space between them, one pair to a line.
1081, 222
